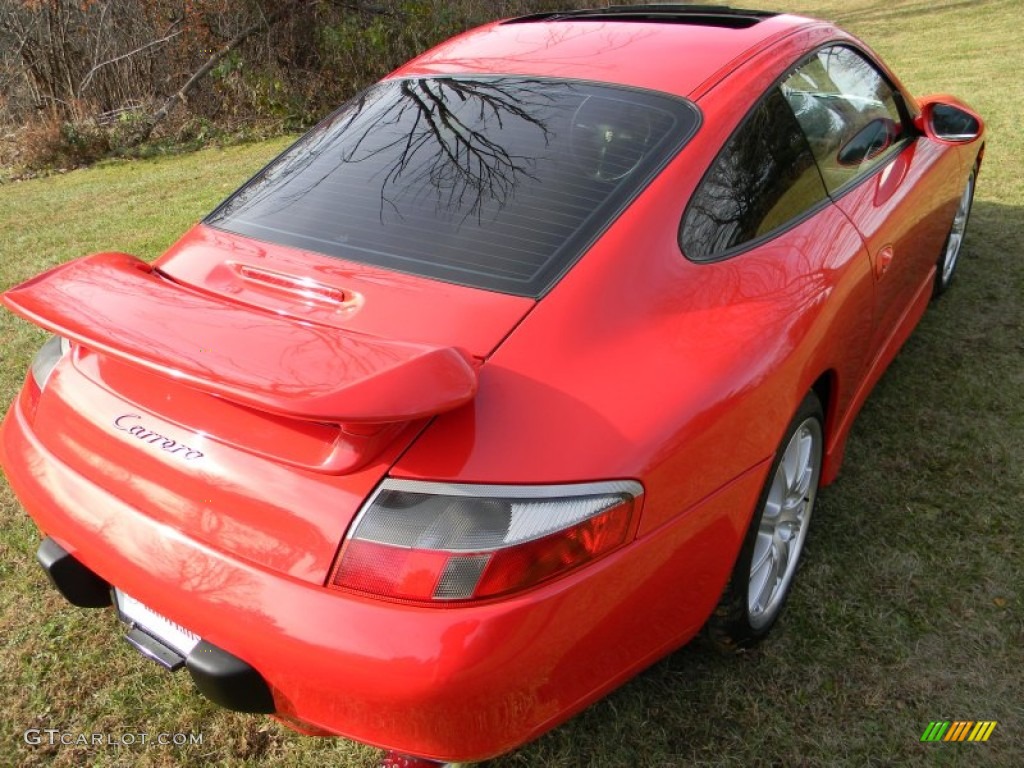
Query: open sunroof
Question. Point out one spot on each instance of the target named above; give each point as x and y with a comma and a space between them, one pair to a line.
698, 15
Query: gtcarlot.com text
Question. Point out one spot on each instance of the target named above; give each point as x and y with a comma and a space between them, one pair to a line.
55, 737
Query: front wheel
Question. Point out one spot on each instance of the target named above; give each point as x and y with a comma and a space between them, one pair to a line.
950, 255
770, 556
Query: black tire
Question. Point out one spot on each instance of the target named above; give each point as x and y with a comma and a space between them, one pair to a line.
952, 248
741, 619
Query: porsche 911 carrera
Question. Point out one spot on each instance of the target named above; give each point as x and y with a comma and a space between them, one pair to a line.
514, 374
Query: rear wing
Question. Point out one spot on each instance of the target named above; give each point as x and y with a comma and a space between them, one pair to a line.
119, 306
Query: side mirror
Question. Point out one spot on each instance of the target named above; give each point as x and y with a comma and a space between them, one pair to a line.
949, 121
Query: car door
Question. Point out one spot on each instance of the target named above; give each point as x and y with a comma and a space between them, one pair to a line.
893, 185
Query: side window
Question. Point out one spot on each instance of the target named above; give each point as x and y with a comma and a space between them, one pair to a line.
848, 112
763, 179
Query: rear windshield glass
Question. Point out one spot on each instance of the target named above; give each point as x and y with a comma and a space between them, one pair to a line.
494, 182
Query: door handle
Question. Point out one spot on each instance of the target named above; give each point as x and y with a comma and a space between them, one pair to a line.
883, 260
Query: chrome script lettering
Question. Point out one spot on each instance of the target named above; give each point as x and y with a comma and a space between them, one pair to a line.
124, 424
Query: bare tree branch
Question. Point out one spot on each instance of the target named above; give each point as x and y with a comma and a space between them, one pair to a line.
199, 74
88, 77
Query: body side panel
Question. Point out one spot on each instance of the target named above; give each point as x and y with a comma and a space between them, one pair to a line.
722, 353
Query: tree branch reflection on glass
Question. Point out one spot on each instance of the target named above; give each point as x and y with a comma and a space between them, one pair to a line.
480, 180
449, 150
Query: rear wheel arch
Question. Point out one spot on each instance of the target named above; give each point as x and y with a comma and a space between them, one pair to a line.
769, 555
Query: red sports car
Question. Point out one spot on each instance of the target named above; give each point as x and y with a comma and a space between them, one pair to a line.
504, 381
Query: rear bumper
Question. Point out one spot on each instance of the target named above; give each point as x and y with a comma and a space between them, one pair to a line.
223, 678
456, 684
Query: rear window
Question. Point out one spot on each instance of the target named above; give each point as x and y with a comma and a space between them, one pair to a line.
493, 182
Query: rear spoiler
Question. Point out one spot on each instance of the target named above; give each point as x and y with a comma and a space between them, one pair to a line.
118, 305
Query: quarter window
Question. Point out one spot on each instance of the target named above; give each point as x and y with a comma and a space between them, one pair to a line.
764, 178
848, 112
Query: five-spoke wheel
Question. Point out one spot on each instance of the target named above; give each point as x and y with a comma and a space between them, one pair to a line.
785, 518
770, 555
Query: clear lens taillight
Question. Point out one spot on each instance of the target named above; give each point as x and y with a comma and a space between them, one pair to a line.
439, 542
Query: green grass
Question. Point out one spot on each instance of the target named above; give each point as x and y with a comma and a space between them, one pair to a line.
908, 609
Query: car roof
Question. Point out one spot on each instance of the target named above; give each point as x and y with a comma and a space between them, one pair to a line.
678, 49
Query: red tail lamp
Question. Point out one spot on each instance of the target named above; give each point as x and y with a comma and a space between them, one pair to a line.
441, 543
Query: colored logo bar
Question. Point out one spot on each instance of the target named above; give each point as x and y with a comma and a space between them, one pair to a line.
959, 730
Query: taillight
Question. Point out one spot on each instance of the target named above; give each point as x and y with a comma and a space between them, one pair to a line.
439, 542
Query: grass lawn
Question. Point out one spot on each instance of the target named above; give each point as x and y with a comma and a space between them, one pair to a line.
908, 609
